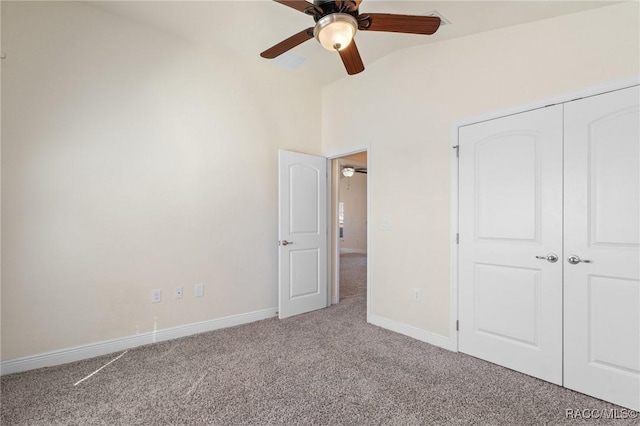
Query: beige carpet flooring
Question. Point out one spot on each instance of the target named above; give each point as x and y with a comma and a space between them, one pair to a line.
353, 275
328, 367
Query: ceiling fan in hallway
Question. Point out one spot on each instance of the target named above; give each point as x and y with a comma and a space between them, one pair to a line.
348, 171
337, 22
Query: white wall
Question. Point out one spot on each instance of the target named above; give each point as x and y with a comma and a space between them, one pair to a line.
406, 104
353, 193
1, 62
132, 160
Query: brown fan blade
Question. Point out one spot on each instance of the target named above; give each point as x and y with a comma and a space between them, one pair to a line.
300, 5
351, 58
288, 44
388, 22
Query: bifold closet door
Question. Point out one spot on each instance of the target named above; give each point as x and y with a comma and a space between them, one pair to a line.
510, 286
602, 226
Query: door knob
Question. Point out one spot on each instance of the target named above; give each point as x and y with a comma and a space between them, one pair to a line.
575, 259
285, 243
551, 257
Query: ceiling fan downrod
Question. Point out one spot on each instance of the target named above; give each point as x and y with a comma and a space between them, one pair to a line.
322, 8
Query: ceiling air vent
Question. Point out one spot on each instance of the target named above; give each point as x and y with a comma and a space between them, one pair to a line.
290, 60
443, 21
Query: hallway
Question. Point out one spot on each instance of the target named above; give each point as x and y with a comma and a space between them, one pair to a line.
353, 275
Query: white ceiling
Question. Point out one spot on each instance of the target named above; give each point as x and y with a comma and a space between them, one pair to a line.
245, 28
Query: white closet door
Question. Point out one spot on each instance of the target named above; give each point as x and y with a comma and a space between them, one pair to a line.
510, 212
602, 225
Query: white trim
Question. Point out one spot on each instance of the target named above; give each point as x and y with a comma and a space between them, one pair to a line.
91, 350
453, 270
560, 99
408, 330
340, 154
336, 247
567, 97
333, 256
369, 228
334, 250
348, 250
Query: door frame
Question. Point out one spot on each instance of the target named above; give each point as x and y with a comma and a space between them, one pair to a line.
335, 202
334, 243
454, 172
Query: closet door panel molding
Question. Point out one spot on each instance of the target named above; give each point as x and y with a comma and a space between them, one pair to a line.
602, 226
560, 182
511, 204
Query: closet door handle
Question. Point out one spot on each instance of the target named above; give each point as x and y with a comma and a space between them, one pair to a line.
551, 257
575, 259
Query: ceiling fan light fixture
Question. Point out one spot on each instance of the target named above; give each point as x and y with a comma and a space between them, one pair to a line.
335, 31
348, 171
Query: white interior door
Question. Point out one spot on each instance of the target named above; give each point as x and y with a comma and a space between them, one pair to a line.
302, 266
602, 215
510, 301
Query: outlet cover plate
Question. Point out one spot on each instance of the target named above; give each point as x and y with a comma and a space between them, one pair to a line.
199, 290
415, 294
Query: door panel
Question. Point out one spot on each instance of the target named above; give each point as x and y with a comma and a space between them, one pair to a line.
512, 186
304, 275
612, 306
519, 301
602, 215
510, 212
614, 164
304, 181
302, 265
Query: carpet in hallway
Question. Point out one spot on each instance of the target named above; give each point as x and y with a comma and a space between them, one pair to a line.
353, 275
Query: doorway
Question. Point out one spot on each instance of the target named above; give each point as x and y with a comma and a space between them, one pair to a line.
349, 227
308, 207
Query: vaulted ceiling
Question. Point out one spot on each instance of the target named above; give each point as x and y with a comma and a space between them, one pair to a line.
244, 28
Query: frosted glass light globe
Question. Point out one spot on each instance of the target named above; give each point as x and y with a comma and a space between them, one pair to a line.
348, 171
335, 31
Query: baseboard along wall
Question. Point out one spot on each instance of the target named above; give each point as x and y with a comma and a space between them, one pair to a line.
408, 330
63, 356
348, 250
78, 353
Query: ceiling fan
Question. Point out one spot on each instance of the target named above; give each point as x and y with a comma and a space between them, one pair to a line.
337, 22
348, 171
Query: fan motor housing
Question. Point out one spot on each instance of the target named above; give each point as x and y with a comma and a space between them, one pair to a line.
327, 7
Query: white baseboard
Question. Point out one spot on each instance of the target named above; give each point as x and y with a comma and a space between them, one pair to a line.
91, 350
408, 330
348, 250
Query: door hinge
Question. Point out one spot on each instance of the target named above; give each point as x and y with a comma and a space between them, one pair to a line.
457, 238
457, 325
457, 148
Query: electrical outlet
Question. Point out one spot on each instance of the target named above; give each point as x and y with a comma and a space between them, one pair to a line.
199, 290
156, 295
177, 293
415, 294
